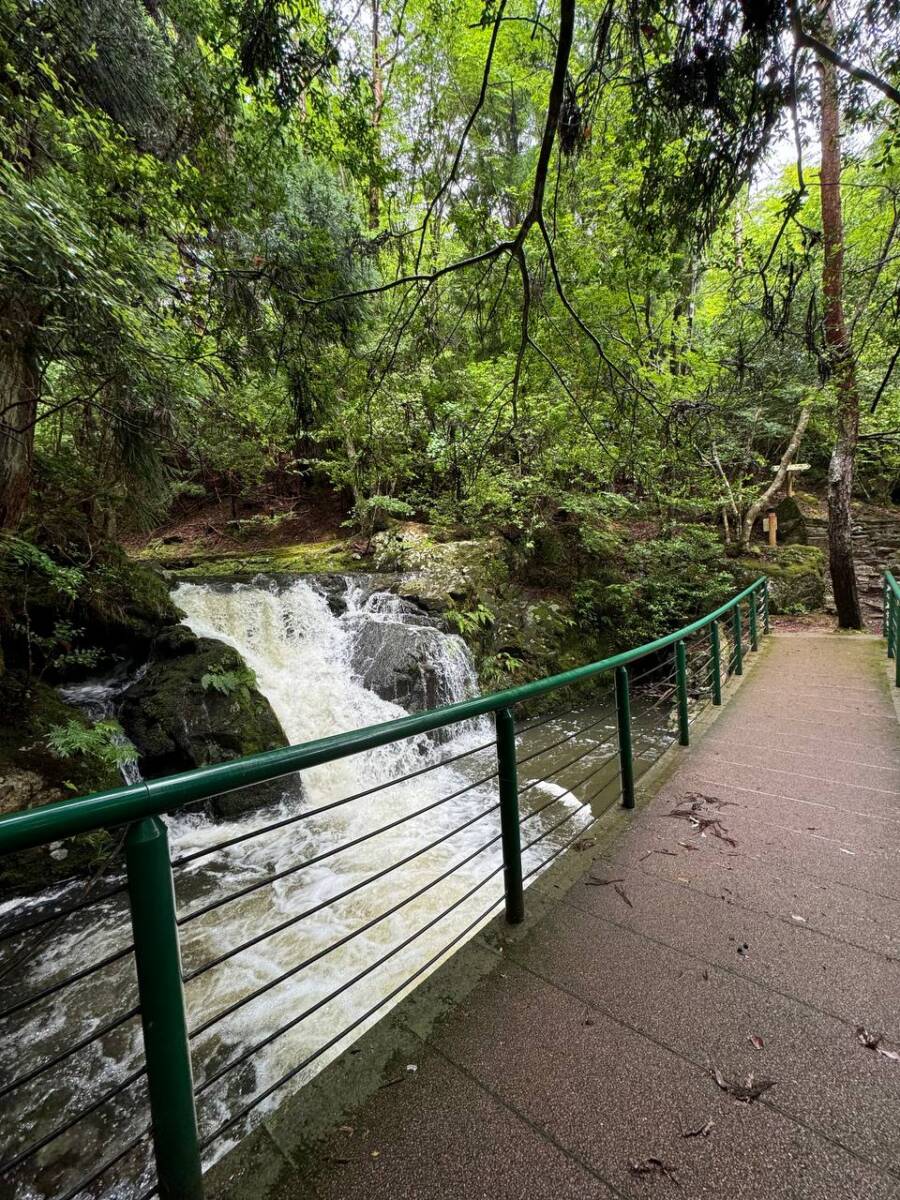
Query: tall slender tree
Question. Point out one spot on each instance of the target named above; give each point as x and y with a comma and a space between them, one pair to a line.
838, 345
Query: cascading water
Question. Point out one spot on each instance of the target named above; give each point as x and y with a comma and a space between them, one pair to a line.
319, 952
99, 699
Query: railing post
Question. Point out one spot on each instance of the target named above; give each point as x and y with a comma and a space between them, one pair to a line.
896, 646
751, 610
161, 990
509, 815
738, 636
715, 662
890, 621
765, 597
623, 722
684, 731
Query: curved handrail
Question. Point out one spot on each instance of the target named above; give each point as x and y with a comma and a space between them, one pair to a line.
64, 818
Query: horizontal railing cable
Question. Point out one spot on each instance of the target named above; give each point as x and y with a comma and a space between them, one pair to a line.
60, 914
570, 791
108, 1027
184, 859
571, 763
562, 741
297, 917
29, 1151
575, 811
274, 876
52, 988
107, 1165
370, 1012
254, 1049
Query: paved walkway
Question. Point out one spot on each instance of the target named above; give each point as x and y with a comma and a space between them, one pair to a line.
584, 1067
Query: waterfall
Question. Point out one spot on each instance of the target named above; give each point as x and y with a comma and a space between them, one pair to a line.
99, 699
330, 657
326, 672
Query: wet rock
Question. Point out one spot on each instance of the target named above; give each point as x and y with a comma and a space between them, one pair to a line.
200, 706
32, 776
415, 665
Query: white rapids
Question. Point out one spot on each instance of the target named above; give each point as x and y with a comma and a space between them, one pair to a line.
326, 957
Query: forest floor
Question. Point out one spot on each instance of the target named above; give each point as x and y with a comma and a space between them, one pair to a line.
212, 528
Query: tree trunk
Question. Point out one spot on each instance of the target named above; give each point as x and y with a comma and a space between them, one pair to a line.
780, 475
19, 391
377, 106
839, 350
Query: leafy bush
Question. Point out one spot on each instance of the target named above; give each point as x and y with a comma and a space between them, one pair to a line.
671, 581
104, 742
227, 682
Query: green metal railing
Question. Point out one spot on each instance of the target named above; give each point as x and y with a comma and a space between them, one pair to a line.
891, 626
683, 671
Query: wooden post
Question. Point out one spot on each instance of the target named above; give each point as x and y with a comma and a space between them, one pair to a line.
773, 527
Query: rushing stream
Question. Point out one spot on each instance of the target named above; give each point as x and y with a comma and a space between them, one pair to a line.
329, 659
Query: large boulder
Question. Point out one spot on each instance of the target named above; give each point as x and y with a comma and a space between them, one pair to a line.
197, 703
796, 578
416, 666
439, 575
63, 622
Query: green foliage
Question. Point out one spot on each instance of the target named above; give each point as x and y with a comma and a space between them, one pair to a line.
672, 580
226, 682
470, 622
34, 563
205, 209
103, 742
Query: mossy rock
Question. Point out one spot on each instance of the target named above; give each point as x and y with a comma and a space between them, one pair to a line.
302, 558
32, 776
796, 578
106, 613
439, 575
196, 706
792, 528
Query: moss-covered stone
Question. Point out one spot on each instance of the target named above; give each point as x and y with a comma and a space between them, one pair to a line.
792, 528
62, 620
31, 776
199, 705
303, 558
796, 578
439, 575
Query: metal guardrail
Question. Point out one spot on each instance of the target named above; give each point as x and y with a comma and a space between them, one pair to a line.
157, 927
891, 626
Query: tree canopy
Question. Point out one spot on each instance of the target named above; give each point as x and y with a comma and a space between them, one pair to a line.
480, 264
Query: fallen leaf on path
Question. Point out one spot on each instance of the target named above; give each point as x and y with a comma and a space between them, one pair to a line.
620, 891
652, 1166
584, 843
649, 852
844, 851
703, 1131
688, 846
800, 920
744, 1093
756, 1042
872, 1041
592, 879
